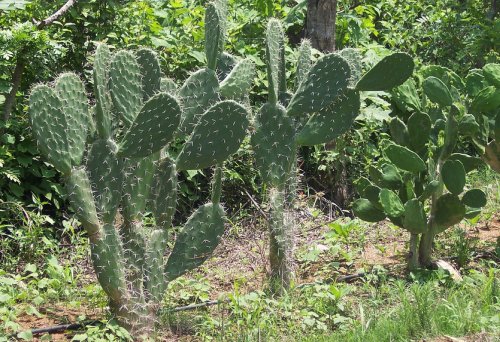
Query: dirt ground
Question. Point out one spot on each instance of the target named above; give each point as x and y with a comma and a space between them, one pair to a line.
243, 260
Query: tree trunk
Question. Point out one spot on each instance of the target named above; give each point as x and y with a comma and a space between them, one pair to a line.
17, 76
320, 27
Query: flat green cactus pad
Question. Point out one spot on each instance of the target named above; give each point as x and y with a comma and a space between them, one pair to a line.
150, 71
365, 210
50, 127
167, 85
273, 144
105, 174
419, 130
390, 72
453, 174
405, 158
486, 101
437, 91
218, 134
153, 128
391, 203
213, 34
474, 198
326, 80
414, 219
474, 83
304, 62
126, 85
71, 92
198, 93
354, 58
102, 59
491, 72
197, 240
387, 176
239, 81
449, 211
331, 121
399, 132
164, 192
80, 196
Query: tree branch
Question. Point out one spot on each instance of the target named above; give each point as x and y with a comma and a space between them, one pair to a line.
65, 8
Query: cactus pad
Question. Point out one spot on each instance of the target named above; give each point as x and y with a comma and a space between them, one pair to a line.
153, 128
105, 174
126, 85
331, 121
80, 196
437, 91
453, 174
197, 94
239, 81
50, 127
218, 134
164, 192
491, 72
150, 71
474, 198
197, 240
274, 43
404, 158
304, 62
449, 211
414, 219
102, 59
366, 211
391, 203
326, 80
213, 32
273, 144
419, 130
390, 72
75, 107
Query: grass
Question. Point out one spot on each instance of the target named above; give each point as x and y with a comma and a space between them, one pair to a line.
387, 305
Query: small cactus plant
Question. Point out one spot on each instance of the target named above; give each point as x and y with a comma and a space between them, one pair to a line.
114, 159
420, 185
323, 106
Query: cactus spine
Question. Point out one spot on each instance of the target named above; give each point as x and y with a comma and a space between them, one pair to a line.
127, 169
323, 106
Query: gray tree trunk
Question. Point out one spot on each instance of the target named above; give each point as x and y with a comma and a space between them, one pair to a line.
320, 27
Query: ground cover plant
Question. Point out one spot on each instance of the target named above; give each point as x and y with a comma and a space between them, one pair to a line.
190, 177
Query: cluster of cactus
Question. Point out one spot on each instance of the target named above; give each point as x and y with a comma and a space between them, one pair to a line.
324, 105
482, 87
420, 184
116, 164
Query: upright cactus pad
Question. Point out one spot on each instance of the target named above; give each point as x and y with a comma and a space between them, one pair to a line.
151, 73
105, 170
304, 62
103, 118
326, 80
331, 121
239, 80
390, 72
217, 135
126, 85
153, 127
437, 91
50, 126
198, 93
197, 240
273, 143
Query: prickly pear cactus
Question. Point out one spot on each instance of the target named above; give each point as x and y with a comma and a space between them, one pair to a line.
420, 185
324, 105
127, 168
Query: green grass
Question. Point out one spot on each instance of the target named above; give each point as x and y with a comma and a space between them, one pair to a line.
428, 310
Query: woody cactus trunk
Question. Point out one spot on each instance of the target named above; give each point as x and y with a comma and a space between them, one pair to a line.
420, 185
114, 159
324, 105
